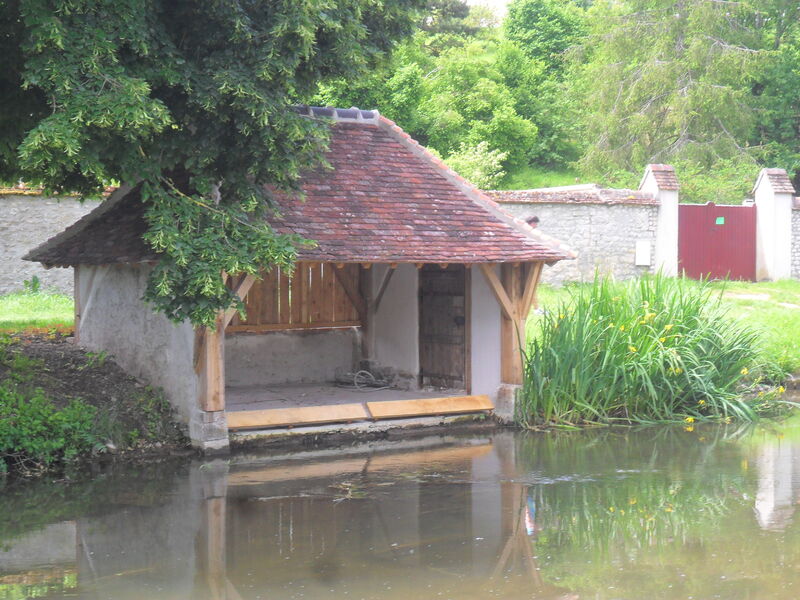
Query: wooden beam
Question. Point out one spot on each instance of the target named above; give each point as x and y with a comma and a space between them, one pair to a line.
387, 276
241, 290
509, 310
268, 327
533, 274
351, 289
210, 366
511, 334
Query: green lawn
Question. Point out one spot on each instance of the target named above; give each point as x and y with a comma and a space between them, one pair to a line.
528, 178
26, 310
770, 307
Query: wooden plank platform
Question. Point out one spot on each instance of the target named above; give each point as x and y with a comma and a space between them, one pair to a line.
395, 409
303, 415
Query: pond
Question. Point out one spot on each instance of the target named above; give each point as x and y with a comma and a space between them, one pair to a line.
694, 512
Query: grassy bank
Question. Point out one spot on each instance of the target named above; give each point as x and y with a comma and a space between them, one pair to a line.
60, 404
653, 350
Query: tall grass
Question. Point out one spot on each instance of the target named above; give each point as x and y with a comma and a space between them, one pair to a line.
653, 349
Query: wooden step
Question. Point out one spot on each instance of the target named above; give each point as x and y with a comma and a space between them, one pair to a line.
395, 409
347, 413
301, 415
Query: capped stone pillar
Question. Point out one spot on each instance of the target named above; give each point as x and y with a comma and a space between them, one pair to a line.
662, 183
774, 196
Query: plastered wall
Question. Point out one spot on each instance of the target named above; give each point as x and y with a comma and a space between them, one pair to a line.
302, 356
26, 222
604, 236
485, 321
394, 327
146, 344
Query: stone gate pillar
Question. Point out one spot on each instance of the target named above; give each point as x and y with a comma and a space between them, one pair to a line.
661, 182
774, 196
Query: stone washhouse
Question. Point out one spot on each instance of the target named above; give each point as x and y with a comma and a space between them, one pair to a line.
417, 278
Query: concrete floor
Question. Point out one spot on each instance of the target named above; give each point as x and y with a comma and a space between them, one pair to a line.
317, 394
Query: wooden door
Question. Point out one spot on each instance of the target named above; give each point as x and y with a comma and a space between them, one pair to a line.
443, 319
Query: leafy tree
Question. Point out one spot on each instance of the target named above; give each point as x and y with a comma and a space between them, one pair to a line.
191, 99
545, 29
671, 80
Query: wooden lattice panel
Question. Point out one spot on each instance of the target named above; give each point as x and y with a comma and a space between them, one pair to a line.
314, 297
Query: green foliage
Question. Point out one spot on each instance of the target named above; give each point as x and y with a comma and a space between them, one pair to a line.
682, 94
704, 85
479, 165
34, 435
656, 349
191, 99
730, 180
545, 29
32, 285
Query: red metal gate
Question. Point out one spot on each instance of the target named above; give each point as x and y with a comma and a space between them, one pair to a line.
717, 242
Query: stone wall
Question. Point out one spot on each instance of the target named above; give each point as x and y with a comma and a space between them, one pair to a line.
603, 235
796, 244
26, 222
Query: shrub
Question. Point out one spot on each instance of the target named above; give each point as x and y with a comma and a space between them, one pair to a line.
655, 349
479, 164
34, 434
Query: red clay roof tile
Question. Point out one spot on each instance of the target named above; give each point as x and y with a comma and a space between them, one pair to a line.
386, 199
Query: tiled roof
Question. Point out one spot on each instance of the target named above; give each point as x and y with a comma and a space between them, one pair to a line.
665, 177
574, 194
779, 180
111, 233
386, 199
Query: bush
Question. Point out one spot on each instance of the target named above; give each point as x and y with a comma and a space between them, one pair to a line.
479, 164
656, 349
35, 435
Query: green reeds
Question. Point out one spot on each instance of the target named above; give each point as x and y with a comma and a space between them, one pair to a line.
649, 350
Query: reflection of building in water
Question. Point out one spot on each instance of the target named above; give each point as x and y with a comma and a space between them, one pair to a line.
778, 484
439, 518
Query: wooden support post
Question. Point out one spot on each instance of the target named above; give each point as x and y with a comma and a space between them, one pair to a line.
512, 335
209, 360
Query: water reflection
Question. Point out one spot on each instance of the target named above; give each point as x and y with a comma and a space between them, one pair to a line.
662, 513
